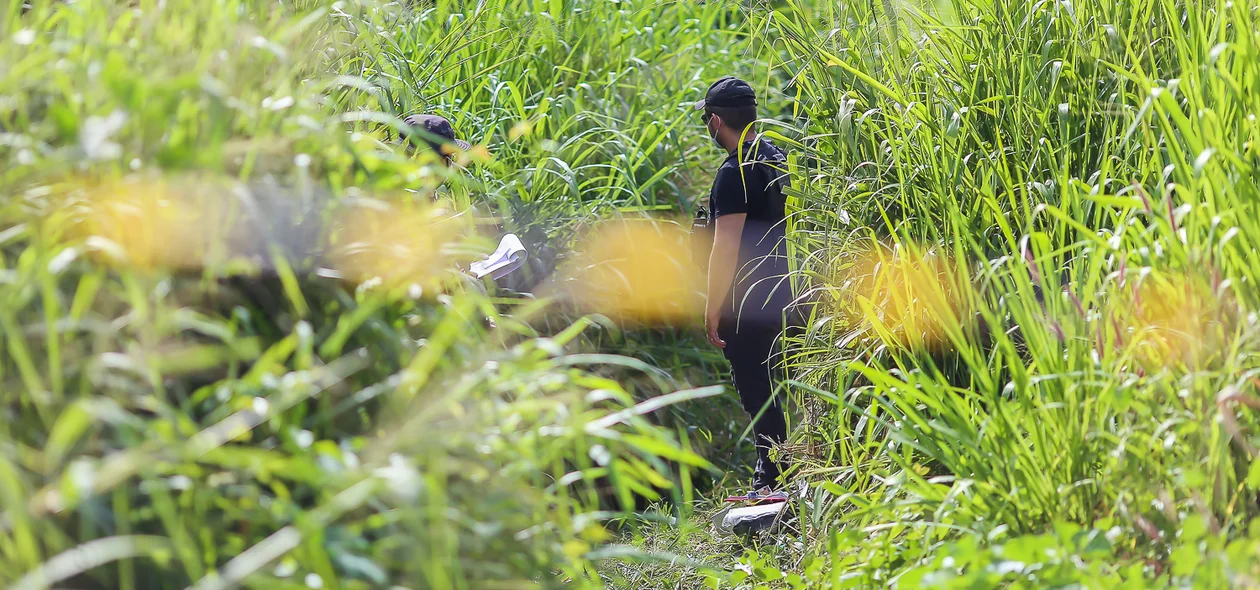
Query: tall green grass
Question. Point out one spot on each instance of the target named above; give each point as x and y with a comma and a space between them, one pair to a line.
1082, 172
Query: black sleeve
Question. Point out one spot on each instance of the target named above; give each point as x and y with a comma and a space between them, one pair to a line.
730, 194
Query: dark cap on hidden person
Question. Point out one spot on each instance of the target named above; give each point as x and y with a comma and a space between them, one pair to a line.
435, 131
728, 91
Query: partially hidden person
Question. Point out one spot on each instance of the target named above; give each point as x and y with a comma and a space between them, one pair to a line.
436, 133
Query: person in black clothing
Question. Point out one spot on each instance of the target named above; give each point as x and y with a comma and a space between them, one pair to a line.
435, 132
748, 291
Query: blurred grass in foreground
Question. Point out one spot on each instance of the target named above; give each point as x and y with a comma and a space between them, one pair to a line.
195, 399
641, 271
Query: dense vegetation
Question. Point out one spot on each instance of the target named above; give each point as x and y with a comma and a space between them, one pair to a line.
235, 352
1050, 378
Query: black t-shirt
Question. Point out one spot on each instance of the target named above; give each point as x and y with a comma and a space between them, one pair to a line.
761, 291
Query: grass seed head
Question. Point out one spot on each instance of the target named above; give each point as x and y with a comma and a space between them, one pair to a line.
640, 270
902, 293
155, 223
395, 244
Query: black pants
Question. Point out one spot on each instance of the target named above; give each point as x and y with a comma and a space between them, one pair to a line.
752, 350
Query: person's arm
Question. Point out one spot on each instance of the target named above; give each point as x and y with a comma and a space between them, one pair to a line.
722, 262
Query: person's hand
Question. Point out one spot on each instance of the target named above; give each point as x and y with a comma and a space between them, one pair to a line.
711, 319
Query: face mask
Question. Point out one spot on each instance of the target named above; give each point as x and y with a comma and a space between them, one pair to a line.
713, 133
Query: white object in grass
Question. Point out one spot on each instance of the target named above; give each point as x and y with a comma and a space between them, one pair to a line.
508, 257
749, 519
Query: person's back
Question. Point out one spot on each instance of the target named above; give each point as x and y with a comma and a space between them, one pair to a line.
750, 181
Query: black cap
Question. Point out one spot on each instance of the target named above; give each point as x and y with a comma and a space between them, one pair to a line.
728, 91
435, 131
